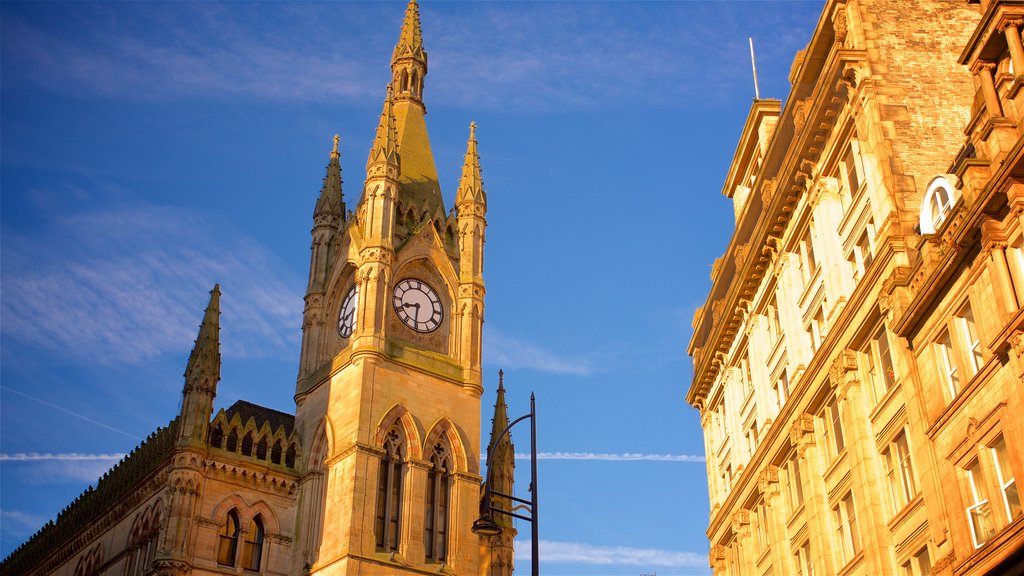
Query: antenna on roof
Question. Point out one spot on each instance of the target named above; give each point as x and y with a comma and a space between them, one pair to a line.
753, 64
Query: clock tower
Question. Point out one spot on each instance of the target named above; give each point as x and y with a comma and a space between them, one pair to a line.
389, 384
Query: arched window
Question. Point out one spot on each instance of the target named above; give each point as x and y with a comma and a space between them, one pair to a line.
247, 444
253, 546
389, 493
939, 199
261, 449
435, 522
275, 453
228, 544
216, 436
232, 441
289, 456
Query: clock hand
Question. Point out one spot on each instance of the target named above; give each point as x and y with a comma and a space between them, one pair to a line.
416, 305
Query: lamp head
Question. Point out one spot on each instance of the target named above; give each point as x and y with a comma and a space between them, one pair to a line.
486, 526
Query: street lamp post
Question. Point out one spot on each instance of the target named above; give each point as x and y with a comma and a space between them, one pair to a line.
485, 524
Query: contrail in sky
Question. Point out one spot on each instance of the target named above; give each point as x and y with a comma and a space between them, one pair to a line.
627, 457
66, 411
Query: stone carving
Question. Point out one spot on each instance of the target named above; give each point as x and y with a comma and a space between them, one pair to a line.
840, 25
740, 255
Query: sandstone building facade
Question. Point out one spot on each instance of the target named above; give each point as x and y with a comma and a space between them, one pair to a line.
378, 471
859, 361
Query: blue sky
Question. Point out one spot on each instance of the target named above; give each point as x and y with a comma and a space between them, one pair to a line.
152, 149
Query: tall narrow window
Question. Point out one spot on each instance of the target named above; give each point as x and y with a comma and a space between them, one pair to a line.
803, 560
228, 544
435, 521
899, 471
247, 444
781, 389
796, 491
880, 367
845, 516
833, 429
253, 553
389, 494
979, 513
232, 444
216, 436
948, 365
1006, 479
969, 332
920, 564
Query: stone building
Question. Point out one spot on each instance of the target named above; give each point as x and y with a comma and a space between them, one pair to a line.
860, 357
378, 471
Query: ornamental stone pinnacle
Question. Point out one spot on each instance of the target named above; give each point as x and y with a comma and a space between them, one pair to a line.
410, 41
385, 142
471, 185
204, 361
331, 201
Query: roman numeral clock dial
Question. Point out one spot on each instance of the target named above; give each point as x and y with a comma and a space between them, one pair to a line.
347, 316
417, 305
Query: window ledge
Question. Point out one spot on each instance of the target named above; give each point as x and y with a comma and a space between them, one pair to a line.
906, 511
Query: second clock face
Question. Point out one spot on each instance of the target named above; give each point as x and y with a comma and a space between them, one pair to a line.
347, 316
417, 305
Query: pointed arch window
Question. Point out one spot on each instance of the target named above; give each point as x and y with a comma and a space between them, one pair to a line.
247, 444
228, 544
389, 493
261, 448
232, 444
275, 453
253, 552
289, 456
217, 436
439, 481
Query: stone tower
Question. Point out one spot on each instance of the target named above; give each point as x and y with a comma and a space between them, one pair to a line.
389, 384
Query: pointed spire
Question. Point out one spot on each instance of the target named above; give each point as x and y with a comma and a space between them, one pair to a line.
500, 420
502, 462
331, 200
204, 361
385, 143
471, 184
410, 41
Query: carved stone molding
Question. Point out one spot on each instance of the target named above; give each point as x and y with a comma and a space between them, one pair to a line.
843, 373
741, 522
716, 310
768, 481
800, 111
171, 567
801, 433
839, 24
740, 255
767, 191
824, 188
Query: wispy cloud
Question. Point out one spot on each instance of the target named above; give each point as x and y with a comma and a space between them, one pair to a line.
18, 524
602, 457
495, 55
50, 469
555, 552
506, 351
127, 284
65, 457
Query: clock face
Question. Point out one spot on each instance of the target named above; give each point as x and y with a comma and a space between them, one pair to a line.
347, 316
418, 305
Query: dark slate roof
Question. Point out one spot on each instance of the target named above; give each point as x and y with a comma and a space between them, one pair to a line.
261, 414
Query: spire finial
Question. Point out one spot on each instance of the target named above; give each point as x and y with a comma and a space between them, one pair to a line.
205, 356
410, 41
385, 142
331, 202
471, 185
501, 379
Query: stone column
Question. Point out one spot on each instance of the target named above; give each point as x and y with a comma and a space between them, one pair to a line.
867, 480
827, 212
743, 545
988, 88
775, 518
1011, 30
816, 508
